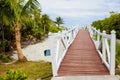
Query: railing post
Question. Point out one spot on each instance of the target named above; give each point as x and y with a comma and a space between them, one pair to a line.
88, 27
65, 38
103, 46
98, 36
56, 60
57, 51
53, 56
112, 57
74, 32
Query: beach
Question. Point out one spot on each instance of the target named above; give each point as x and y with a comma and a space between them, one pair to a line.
35, 52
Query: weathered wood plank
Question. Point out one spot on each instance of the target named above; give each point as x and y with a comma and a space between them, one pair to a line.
82, 58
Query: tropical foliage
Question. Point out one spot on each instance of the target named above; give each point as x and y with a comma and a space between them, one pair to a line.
19, 9
21, 20
55, 29
32, 70
59, 21
46, 21
110, 23
14, 75
117, 53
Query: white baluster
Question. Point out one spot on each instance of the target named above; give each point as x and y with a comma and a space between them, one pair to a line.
112, 60
53, 55
107, 49
57, 50
103, 47
56, 57
98, 36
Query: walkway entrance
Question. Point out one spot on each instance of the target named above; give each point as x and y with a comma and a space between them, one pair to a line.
82, 58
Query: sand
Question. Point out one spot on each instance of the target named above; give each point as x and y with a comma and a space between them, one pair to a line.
35, 52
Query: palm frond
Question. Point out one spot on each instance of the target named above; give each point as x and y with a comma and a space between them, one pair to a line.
30, 6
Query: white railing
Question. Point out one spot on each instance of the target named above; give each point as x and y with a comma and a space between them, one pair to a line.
105, 45
59, 45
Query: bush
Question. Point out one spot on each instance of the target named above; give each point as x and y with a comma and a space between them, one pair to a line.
1, 56
109, 24
3, 44
1, 78
4, 58
117, 53
15, 75
55, 29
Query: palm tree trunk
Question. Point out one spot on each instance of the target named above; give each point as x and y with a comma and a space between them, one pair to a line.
58, 25
21, 57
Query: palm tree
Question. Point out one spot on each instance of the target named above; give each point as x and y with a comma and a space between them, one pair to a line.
25, 11
6, 18
37, 14
19, 9
59, 21
45, 21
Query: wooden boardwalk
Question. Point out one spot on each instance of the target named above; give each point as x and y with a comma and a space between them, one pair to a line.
82, 58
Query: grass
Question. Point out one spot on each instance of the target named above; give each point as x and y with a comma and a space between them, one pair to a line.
33, 70
118, 57
118, 53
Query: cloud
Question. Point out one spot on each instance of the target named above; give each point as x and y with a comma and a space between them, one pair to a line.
53, 5
78, 14
85, 9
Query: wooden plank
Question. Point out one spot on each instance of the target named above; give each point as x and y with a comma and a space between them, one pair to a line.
82, 58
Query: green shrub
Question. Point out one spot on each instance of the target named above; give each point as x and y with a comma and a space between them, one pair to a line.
1, 78
55, 29
1, 56
3, 44
15, 75
117, 53
4, 58
30, 36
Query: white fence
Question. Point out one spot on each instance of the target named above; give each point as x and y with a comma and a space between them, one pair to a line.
105, 45
59, 45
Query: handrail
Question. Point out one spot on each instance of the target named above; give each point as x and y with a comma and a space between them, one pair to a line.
107, 44
59, 50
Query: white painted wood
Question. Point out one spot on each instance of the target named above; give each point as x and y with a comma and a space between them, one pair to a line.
57, 57
54, 66
106, 64
106, 49
57, 49
100, 54
89, 77
103, 47
98, 36
64, 42
71, 33
112, 60
107, 36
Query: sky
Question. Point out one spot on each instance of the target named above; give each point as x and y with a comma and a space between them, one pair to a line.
82, 12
